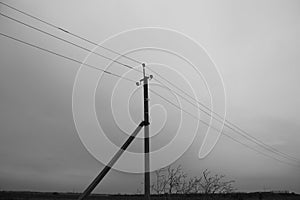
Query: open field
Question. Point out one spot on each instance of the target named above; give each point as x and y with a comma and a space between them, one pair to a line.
7, 195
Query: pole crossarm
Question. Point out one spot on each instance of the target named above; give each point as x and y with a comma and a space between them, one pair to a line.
115, 158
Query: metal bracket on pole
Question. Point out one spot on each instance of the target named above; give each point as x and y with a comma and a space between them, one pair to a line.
115, 158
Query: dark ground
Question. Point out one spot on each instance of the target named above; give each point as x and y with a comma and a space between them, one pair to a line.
7, 195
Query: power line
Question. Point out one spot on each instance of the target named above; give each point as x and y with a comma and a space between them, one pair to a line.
66, 41
113, 74
70, 33
247, 136
66, 57
216, 129
227, 123
260, 152
268, 146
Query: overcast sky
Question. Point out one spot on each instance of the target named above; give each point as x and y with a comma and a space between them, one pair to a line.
255, 45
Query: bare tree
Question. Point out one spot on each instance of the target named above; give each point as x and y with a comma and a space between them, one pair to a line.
176, 177
169, 180
160, 184
191, 185
173, 180
215, 183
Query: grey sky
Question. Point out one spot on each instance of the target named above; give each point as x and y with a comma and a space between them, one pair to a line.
255, 45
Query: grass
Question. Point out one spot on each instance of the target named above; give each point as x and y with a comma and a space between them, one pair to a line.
10, 195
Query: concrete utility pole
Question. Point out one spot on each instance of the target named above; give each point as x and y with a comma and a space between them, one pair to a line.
146, 135
145, 81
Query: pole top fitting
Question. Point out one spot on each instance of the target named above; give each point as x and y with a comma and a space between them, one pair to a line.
145, 77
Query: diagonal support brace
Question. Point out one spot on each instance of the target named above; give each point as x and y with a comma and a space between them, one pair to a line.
115, 158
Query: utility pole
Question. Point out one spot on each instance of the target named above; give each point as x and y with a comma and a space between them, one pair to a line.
146, 136
145, 81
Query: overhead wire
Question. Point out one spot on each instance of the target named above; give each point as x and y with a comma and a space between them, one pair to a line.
227, 124
223, 132
119, 76
70, 33
66, 57
66, 41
